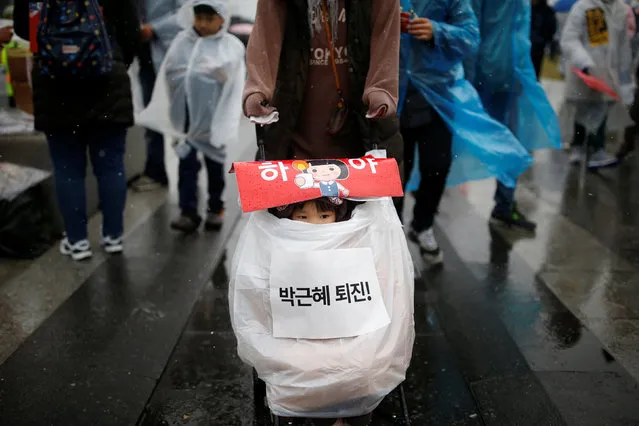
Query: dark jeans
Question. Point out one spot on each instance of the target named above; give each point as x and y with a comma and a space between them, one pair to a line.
596, 141
434, 141
154, 167
504, 198
69, 156
187, 186
537, 53
500, 106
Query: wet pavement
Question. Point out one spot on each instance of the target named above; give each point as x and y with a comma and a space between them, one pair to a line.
513, 330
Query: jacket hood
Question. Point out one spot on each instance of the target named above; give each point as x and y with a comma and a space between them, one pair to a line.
186, 15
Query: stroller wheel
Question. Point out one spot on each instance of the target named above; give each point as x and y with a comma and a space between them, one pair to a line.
262, 414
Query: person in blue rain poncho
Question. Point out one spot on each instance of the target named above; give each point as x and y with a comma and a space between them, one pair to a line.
441, 114
198, 101
502, 72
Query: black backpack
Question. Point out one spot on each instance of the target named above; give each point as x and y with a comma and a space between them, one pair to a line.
73, 40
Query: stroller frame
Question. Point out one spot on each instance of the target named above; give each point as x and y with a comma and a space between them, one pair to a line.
264, 416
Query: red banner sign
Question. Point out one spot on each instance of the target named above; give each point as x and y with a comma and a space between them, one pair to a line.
263, 185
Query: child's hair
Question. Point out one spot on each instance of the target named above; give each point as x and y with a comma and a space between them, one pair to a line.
343, 168
322, 204
204, 9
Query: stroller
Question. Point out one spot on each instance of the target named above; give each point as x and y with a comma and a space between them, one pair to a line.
328, 376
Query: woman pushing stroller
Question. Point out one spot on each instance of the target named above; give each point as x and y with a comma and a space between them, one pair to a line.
324, 75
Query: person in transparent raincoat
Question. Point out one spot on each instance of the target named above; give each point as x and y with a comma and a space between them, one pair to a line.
158, 28
197, 100
503, 74
595, 40
441, 114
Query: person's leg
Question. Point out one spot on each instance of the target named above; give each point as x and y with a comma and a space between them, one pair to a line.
628, 145
154, 169
107, 148
216, 183
506, 212
435, 159
537, 56
68, 155
504, 198
577, 148
579, 138
188, 172
599, 157
410, 138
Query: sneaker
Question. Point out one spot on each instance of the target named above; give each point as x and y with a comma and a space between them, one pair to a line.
112, 245
512, 219
186, 223
428, 246
214, 221
78, 251
577, 155
146, 184
601, 159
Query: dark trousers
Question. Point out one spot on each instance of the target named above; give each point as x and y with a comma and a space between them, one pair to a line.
537, 53
434, 143
154, 166
69, 156
596, 141
504, 198
501, 107
187, 186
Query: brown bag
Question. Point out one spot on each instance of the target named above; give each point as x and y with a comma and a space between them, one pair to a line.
340, 114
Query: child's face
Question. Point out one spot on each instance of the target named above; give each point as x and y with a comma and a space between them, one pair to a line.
310, 214
208, 25
325, 172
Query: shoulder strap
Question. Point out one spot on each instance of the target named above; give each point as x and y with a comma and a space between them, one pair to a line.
329, 38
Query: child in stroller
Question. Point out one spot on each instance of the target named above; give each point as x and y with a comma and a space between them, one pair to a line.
334, 380
319, 211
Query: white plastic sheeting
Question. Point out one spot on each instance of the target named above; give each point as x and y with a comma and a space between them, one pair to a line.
333, 378
202, 77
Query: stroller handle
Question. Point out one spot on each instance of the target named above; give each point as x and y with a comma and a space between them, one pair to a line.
372, 137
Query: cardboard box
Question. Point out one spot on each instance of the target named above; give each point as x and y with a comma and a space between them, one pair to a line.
24, 96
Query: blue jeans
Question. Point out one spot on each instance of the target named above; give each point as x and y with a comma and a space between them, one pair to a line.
187, 186
69, 156
154, 166
504, 198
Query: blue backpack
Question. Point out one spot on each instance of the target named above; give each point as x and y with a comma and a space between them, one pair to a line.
72, 40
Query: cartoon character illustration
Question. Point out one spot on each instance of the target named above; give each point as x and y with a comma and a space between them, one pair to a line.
322, 174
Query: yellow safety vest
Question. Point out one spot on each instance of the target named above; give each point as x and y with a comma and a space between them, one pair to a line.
5, 63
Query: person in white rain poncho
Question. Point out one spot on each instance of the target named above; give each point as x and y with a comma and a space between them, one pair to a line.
197, 100
595, 41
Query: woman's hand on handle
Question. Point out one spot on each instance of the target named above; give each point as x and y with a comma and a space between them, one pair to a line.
379, 104
257, 106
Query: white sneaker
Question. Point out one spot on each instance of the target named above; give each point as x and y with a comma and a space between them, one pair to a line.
112, 245
577, 155
602, 159
78, 251
427, 245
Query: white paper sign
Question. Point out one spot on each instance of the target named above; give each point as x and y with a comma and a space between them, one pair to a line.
325, 294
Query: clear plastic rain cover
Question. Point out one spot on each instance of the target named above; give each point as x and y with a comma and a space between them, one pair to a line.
330, 378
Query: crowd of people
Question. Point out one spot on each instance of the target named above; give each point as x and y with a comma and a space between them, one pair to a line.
448, 88
439, 85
